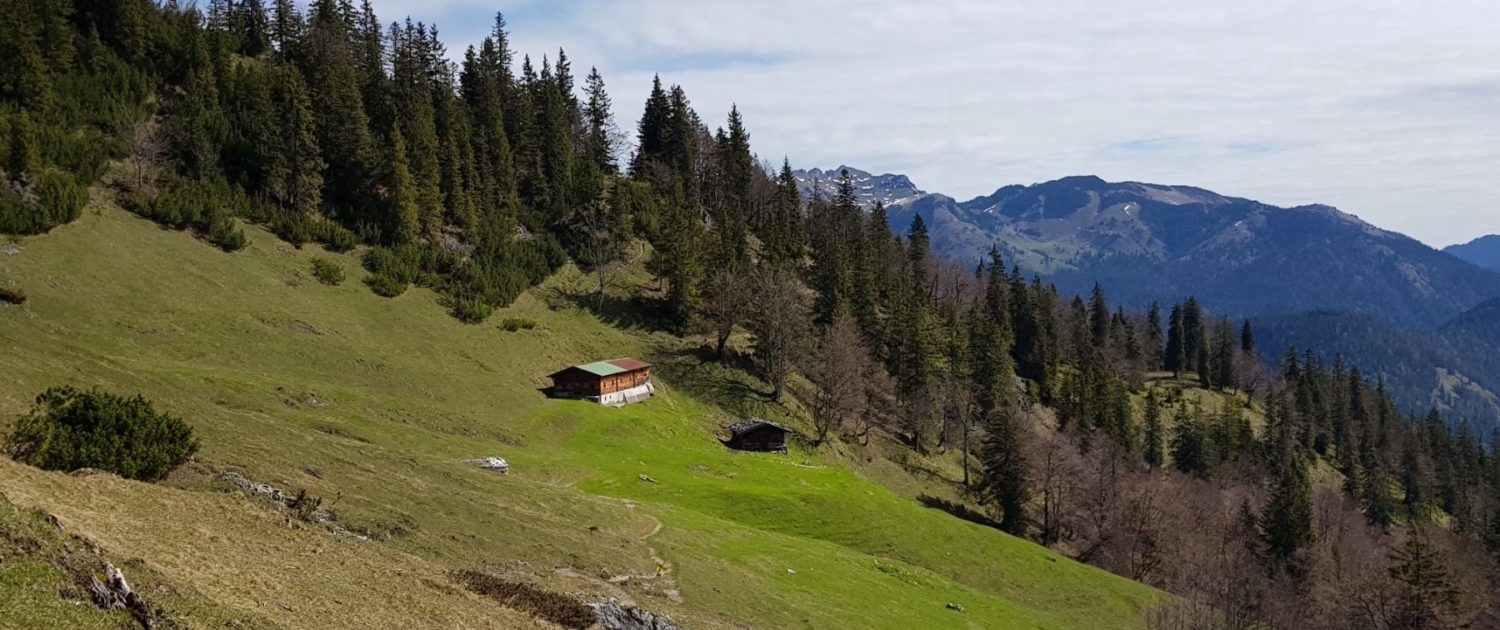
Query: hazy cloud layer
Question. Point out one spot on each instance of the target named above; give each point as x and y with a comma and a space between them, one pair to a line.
1387, 109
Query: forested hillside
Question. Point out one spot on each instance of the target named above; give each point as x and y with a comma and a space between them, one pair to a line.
1153, 443
1452, 368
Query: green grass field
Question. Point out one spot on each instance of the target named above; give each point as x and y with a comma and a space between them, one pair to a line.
373, 403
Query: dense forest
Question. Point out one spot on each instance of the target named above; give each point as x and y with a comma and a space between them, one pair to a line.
1298, 497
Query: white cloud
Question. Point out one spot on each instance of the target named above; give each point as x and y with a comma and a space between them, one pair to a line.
1386, 109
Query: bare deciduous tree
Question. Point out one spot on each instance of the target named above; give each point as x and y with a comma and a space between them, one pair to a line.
841, 369
149, 151
779, 325
727, 301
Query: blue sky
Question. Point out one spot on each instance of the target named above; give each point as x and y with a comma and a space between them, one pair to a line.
1387, 109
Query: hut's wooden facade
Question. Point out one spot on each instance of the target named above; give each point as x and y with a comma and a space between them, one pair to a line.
754, 434
616, 382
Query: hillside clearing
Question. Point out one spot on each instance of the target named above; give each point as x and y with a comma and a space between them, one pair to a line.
373, 403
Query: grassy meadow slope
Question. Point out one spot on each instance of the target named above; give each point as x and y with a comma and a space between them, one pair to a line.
373, 403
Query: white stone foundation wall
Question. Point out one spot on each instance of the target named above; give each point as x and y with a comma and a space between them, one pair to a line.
626, 396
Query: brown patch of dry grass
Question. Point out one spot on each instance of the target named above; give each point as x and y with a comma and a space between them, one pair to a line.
554, 607
243, 556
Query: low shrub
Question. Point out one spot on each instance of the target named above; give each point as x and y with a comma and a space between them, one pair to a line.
52, 198
513, 324
327, 271
554, 607
205, 205
12, 296
226, 235
385, 286
300, 229
487, 276
469, 311
306, 507
68, 429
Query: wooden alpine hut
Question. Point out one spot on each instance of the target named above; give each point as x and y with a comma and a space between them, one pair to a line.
615, 383
755, 434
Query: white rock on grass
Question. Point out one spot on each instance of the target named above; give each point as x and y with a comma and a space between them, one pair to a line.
490, 463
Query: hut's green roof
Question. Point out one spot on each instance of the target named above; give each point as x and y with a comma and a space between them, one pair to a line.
601, 368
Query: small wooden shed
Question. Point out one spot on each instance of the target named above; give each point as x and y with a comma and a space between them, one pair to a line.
615, 382
755, 434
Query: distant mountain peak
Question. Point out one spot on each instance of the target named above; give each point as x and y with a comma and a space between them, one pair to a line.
887, 188
1483, 251
1153, 242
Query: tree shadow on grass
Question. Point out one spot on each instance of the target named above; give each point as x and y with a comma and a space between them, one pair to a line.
957, 509
695, 371
916, 469
636, 312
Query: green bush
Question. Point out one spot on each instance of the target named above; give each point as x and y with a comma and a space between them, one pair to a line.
491, 276
60, 195
327, 272
12, 296
469, 311
228, 236
54, 198
300, 229
205, 205
513, 324
69, 429
385, 286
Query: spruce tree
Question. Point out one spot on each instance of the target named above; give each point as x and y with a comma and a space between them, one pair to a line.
652, 132
679, 255
1412, 479
990, 369
286, 28
343, 134
1247, 338
1175, 360
1155, 434
783, 239
1428, 597
253, 28
1204, 367
683, 131
405, 217
997, 298
1099, 317
832, 256
1222, 355
1192, 450
296, 179
917, 246
1287, 518
732, 219
1155, 353
481, 85
1004, 484
1195, 334
413, 99
21, 156
600, 141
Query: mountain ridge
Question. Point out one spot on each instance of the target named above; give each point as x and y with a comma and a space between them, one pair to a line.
1157, 243
1483, 251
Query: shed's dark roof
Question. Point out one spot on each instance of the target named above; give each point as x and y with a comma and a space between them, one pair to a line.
749, 424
